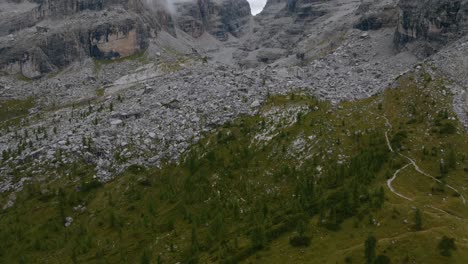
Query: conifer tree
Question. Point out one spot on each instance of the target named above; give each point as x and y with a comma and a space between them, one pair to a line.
418, 220
369, 249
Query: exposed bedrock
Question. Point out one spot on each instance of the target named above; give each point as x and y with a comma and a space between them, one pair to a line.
430, 23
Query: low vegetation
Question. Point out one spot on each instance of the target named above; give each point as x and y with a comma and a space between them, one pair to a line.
12, 111
301, 182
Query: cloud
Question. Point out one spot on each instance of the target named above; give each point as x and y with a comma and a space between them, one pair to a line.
168, 5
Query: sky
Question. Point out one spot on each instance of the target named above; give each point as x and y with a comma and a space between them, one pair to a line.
256, 6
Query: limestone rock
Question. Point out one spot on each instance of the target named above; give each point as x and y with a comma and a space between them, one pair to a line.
431, 23
219, 18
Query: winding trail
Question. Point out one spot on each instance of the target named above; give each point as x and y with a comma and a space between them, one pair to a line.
432, 177
389, 183
416, 167
387, 123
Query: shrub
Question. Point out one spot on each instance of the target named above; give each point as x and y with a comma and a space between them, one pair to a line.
299, 241
446, 245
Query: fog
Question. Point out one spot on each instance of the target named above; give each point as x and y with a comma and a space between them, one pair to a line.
166, 4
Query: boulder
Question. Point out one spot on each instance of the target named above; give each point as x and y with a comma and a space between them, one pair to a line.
269, 55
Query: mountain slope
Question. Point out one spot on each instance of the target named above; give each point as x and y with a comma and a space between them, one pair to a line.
316, 132
245, 190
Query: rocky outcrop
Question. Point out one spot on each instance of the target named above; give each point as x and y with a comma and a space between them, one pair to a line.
50, 49
432, 23
374, 16
109, 41
41, 36
219, 18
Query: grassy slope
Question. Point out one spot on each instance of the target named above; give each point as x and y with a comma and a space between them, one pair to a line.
240, 193
12, 110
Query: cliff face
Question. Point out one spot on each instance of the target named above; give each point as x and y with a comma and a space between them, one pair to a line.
431, 22
40, 36
46, 35
219, 18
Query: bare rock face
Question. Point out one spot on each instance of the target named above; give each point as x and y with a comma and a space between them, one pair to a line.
42, 36
219, 18
54, 33
430, 23
377, 15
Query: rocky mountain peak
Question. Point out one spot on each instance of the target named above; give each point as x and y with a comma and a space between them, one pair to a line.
43, 36
219, 18
430, 24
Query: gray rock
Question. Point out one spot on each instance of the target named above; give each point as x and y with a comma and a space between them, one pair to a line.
68, 221
116, 122
255, 103
430, 23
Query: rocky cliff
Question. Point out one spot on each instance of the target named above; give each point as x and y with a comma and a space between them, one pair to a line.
430, 23
47, 35
219, 18
41, 36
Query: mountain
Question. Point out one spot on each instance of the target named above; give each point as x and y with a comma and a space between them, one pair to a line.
190, 131
432, 24
40, 37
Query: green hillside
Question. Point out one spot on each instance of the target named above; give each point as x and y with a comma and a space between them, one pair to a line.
302, 181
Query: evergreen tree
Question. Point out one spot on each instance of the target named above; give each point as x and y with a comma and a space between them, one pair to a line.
257, 236
382, 259
5, 155
194, 247
217, 228
145, 258
446, 245
451, 159
380, 197
369, 249
418, 220
301, 240
443, 168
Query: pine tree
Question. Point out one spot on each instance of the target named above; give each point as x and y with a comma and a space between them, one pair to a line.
446, 245
5, 155
257, 236
194, 247
452, 159
418, 220
369, 249
145, 258
217, 228
382, 259
443, 168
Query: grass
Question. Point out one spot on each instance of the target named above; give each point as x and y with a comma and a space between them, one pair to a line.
239, 195
140, 57
173, 65
13, 110
24, 78
100, 92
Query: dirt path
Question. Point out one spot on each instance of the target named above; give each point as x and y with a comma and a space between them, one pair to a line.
416, 167
389, 183
387, 122
432, 177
